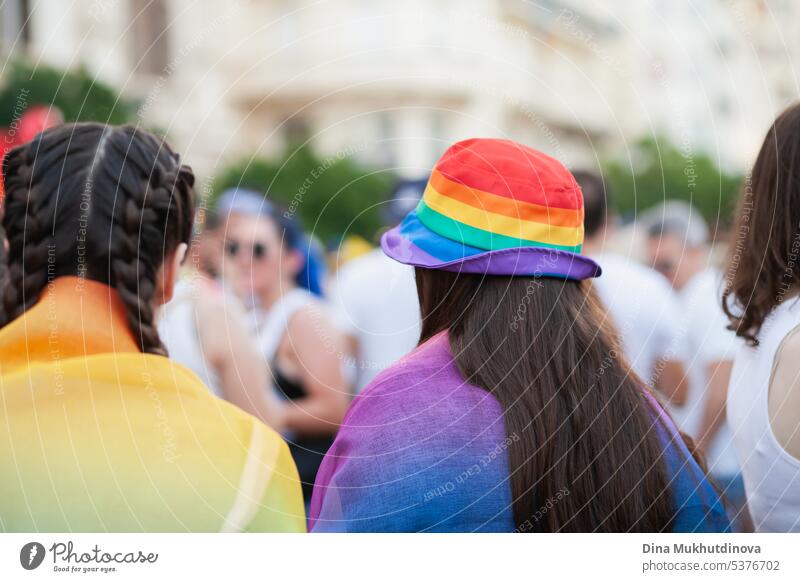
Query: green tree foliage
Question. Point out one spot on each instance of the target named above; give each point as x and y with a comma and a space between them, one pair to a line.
332, 196
78, 95
658, 171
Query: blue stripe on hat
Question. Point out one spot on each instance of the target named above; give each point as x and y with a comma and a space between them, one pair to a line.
435, 245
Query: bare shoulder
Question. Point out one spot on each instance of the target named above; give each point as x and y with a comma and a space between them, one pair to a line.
215, 301
784, 394
312, 316
221, 322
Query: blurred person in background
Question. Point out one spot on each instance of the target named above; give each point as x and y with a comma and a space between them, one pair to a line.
101, 431
206, 329
208, 244
499, 419
640, 302
374, 300
678, 245
266, 263
761, 300
351, 246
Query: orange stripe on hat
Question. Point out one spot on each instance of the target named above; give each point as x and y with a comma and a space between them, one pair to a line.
502, 189
511, 207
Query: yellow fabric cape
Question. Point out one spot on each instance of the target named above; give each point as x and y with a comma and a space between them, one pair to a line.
96, 436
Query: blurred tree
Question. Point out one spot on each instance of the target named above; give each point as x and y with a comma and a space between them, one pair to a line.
78, 95
332, 196
658, 171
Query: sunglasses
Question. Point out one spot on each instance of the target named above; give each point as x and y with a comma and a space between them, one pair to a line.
258, 250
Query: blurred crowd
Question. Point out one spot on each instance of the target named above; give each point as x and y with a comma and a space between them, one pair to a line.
507, 353
261, 303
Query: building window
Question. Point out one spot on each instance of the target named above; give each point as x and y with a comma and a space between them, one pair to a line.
386, 140
150, 33
14, 24
296, 131
440, 135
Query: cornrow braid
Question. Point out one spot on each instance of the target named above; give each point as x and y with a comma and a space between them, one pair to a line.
142, 213
27, 236
106, 203
3, 263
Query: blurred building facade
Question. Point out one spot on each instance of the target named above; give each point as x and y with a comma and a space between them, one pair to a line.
393, 83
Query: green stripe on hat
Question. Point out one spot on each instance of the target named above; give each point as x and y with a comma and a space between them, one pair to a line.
475, 237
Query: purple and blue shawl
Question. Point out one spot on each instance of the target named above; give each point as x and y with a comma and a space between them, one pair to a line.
421, 450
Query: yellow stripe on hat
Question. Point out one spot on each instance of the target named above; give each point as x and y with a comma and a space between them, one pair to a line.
500, 224
505, 205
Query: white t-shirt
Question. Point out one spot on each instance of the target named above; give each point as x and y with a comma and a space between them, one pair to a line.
177, 328
704, 331
374, 299
644, 309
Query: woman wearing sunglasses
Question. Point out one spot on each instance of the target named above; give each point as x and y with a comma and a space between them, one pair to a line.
517, 412
266, 262
205, 329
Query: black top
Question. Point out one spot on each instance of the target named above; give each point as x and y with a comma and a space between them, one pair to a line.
307, 452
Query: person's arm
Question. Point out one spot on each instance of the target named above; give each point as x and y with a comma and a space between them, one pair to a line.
719, 375
230, 349
670, 378
672, 382
317, 347
784, 395
345, 311
716, 345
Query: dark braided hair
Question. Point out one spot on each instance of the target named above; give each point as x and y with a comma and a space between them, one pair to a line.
104, 203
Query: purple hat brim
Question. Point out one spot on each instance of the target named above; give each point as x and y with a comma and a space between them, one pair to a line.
412, 243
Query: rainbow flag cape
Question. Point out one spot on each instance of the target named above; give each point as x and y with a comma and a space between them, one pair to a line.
96, 436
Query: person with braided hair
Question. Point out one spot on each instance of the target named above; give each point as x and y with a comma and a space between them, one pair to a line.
99, 431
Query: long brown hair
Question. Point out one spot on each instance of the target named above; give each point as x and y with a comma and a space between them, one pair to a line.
584, 422
101, 202
764, 252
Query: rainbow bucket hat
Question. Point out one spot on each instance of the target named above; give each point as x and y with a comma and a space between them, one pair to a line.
496, 207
